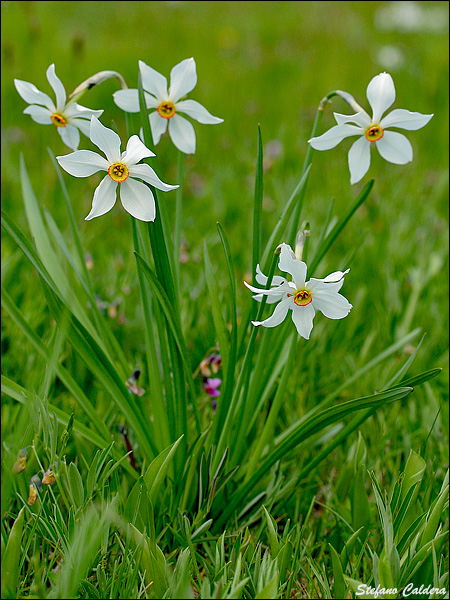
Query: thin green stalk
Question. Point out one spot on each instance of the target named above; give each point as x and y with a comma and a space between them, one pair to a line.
257, 206
309, 153
223, 406
269, 424
178, 220
292, 232
165, 270
157, 394
230, 420
268, 353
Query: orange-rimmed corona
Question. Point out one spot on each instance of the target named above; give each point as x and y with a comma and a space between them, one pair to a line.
58, 120
118, 172
166, 110
302, 297
374, 133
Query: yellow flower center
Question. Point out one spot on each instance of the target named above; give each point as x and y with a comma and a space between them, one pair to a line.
374, 133
166, 110
302, 297
59, 120
118, 172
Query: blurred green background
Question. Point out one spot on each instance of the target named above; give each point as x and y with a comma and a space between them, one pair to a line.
266, 63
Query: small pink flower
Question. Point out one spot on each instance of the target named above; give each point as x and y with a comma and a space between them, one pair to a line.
210, 385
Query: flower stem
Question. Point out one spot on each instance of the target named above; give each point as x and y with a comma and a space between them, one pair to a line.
178, 220
273, 413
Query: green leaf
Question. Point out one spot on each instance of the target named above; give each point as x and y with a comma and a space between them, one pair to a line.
76, 486
272, 533
46, 252
157, 471
358, 588
11, 558
101, 367
434, 516
339, 584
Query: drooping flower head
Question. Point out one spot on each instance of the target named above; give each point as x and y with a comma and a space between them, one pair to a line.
132, 383
166, 104
213, 363
69, 118
21, 461
299, 296
35, 487
373, 131
122, 171
49, 476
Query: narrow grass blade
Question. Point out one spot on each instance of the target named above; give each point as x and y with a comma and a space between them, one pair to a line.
174, 328
216, 306
230, 365
101, 367
308, 426
62, 373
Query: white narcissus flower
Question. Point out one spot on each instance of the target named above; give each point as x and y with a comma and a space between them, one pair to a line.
122, 170
167, 105
302, 297
393, 147
69, 118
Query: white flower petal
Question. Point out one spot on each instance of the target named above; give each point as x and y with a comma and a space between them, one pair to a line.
183, 79
331, 304
270, 299
32, 95
291, 265
333, 136
359, 159
361, 119
138, 200
147, 174
182, 134
82, 124
83, 163
319, 286
278, 315
74, 110
336, 276
70, 136
40, 114
381, 95
197, 111
262, 279
303, 317
127, 100
281, 290
395, 148
106, 140
404, 119
158, 126
135, 151
104, 197
153, 82
58, 88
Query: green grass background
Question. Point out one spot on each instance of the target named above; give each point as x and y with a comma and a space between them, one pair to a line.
266, 63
